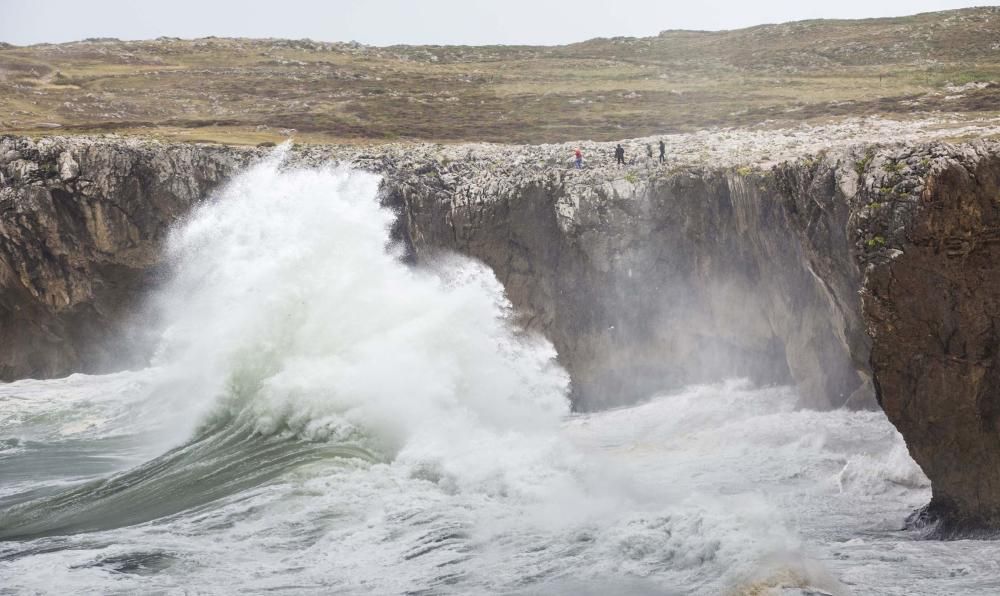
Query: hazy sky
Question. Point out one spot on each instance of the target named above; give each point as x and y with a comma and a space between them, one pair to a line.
385, 22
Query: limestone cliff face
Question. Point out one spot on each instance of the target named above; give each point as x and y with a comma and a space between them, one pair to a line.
933, 308
657, 280
856, 273
80, 229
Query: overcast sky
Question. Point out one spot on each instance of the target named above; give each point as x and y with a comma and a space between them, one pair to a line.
386, 22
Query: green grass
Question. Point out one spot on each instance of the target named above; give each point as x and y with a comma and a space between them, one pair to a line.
876, 242
862, 164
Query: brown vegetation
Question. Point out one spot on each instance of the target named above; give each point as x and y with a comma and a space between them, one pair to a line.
250, 91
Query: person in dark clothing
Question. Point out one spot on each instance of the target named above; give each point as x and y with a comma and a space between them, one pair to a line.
620, 155
663, 151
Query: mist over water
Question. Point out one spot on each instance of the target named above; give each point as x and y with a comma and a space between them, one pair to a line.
320, 417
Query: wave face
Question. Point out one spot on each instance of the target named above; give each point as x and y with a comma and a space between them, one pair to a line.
294, 315
322, 418
292, 323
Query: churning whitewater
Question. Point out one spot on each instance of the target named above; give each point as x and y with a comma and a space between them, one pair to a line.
321, 417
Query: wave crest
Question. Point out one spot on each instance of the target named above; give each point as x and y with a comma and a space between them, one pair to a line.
291, 309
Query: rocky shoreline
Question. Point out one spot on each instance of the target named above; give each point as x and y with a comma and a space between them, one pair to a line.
857, 272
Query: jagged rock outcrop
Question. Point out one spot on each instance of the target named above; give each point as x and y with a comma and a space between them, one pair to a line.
80, 230
933, 307
857, 272
659, 280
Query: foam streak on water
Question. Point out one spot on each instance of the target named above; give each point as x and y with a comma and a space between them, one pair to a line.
322, 418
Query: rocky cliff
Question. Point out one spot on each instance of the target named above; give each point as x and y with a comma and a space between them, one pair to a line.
80, 229
932, 308
660, 279
857, 272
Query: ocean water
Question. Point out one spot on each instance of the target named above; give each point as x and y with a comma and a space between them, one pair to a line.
321, 418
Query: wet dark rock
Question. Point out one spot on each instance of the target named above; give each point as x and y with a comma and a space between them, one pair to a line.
932, 310
80, 229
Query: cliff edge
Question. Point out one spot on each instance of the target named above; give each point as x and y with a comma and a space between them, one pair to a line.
857, 272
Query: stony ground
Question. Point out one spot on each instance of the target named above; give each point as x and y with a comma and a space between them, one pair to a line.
249, 91
741, 149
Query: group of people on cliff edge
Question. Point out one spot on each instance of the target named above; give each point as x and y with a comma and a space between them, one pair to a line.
620, 154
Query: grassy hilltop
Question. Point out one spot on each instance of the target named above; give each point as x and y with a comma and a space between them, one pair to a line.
253, 90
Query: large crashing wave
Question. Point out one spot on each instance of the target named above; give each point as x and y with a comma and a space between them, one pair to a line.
345, 423
293, 331
290, 306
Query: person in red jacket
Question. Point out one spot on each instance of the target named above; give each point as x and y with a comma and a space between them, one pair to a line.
579, 158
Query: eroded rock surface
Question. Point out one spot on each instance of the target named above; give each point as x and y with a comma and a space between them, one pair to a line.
933, 308
81, 223
653, 281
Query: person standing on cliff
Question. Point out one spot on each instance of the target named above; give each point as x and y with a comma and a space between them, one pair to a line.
663, 151
579, 158
620, 155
